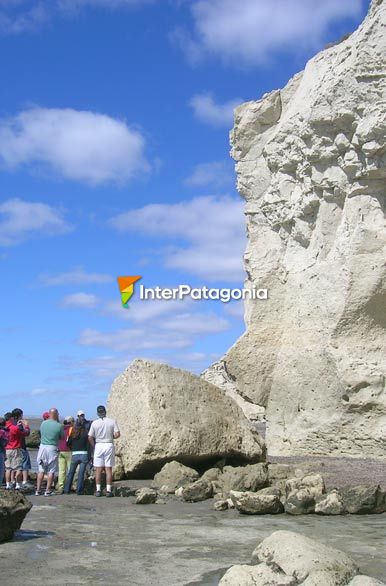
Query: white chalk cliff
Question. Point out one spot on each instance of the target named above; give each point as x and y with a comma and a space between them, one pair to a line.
311, 168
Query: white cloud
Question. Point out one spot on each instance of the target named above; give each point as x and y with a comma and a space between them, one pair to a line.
146, 309
20, 220
217, 174
210, 112
79, 145
77, 276
19, 16
249, 32
127, 339
212, 227
80, 300
167, 333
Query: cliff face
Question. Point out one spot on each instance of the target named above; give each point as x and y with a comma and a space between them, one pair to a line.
311, 167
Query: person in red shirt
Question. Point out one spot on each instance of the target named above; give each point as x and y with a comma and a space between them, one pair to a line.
13, 449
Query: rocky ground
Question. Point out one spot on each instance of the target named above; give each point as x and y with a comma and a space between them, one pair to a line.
84, 540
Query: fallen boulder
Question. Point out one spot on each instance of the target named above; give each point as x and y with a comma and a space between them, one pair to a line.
364, 499
14, 506
255, 503
166, 414
173, 475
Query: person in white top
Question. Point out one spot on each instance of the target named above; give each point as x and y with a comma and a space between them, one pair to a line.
102, 433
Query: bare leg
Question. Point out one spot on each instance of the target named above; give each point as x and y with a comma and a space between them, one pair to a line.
25, 475
98, 475
39, 480
18, 476
50, 478
109, 475
8, 476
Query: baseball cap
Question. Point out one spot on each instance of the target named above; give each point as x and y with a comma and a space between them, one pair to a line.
80, 412
45, 415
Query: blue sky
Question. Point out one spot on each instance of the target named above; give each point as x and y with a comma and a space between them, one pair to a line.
114, 124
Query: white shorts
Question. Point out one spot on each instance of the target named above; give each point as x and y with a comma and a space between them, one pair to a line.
104, 455
48, 459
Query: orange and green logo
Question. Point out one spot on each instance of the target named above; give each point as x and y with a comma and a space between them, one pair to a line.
126, 287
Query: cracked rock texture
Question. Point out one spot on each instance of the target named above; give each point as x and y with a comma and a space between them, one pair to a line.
167, 414
310, 162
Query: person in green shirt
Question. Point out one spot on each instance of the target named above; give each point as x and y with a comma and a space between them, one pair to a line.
51, 431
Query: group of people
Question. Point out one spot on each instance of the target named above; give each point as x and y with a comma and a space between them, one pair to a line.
63, 448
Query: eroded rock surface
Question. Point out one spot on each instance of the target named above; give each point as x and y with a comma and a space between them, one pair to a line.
166, 414
14, 506
311, 167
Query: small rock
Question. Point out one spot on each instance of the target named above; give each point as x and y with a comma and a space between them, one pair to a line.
314, 483
255, 503
243, 478
272, 490
301, 502
123, 491
197, 491
221, 505
145, 496
212, 474
179, 491
261, 575
173, 475
330, 504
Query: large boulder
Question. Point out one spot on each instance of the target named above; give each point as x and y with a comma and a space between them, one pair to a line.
14, 506
310, 161
173, 475
307, 560
166, 414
